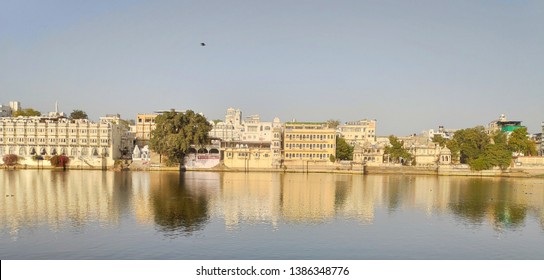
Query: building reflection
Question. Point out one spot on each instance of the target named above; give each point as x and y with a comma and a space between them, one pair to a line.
307, 197
251, 198
59, 199
180, 204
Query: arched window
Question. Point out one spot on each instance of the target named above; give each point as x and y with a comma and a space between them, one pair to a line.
84, 151
63, 151
73, 152
32, 151
95, 152
22, 151
43, 152
53, 151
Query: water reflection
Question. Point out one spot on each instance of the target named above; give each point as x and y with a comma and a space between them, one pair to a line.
181, 204
59, 199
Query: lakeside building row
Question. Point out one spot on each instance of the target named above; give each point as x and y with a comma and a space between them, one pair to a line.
246, 143
88, 144
237, 142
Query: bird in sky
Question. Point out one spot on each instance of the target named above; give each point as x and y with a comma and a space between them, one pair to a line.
203, 44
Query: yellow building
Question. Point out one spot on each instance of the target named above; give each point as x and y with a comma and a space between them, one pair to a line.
308, 141
249, 155
145, 123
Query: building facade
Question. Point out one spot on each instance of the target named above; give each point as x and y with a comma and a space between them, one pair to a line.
308, 141
86, 143
358, 132
503, 124
230, 129
145, 123
369, 154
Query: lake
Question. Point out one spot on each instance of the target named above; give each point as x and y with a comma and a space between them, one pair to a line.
47, 214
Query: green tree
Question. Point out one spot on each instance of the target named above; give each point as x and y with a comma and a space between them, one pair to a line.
471, 143
333, 123
397, 152
176, 132
126, 123
216, 121
454, 149
494, 155
440, 140
28, 112
500, 138
519, 143
479, 150
343, 150
78, 114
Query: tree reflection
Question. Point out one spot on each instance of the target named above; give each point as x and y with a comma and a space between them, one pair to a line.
509, 216
482, 199
177, 209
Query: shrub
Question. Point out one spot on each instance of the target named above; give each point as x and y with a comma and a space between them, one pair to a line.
59, 161
10, 159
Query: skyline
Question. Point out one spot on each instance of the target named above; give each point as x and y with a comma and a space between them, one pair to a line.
411, 66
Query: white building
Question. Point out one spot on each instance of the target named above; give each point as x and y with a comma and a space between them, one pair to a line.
231, 128
239, 134
443, 132
86, 143
358, 132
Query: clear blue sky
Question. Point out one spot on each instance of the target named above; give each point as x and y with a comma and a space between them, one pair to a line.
412, 65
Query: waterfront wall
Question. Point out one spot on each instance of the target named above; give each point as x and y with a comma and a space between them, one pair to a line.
75, 163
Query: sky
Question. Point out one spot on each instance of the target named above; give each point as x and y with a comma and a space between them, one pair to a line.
411, 65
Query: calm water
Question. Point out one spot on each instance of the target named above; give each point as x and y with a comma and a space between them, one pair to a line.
138, 215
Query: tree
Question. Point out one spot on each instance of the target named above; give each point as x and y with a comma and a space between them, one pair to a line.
333, 123
126, 123
176, 132
29, 112
216, 121
494, 155
397, 152
479, 150
343, 150
519, 143
78, 114
10, 159
471, 143
440, 140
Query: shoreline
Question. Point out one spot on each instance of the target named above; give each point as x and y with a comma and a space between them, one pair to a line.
366, 170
